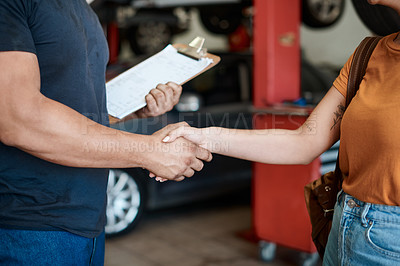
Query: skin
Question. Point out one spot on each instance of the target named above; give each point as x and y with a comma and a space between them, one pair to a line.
54, 132
274, 146
278, 146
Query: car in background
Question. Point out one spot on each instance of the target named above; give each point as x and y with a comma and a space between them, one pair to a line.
149, 25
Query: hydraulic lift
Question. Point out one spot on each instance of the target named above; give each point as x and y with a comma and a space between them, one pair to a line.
279, 213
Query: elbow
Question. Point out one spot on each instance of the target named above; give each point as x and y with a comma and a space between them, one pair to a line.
310, 154
15, 130
308, 151
12, 136
8, 137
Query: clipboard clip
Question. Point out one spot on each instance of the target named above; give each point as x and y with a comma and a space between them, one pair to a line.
195, 49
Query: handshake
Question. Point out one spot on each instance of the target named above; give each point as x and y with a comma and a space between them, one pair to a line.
180, 151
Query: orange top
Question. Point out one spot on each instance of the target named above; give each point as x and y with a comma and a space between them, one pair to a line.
370, 128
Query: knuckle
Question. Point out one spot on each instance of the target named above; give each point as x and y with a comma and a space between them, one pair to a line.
192, 148
172, 84
157, 93
188, 161
170, 92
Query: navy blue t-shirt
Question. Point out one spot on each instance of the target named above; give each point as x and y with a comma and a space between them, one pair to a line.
70, 45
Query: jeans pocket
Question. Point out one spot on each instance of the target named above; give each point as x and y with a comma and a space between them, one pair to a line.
384, 238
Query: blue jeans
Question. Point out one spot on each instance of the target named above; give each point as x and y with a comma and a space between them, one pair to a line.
363, 234
24, 247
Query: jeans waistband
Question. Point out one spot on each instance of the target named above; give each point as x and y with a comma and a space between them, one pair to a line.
367, 211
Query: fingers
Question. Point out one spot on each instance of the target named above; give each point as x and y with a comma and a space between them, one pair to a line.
162, 98
179, 178
163, 95
203, 154
197, 165
171, 127
161, 180
155, 101
192, 134
151, 104
176, 133
189, 172
177, 91
162, 133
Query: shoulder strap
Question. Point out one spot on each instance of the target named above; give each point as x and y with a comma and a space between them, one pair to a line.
356, 73
359, 66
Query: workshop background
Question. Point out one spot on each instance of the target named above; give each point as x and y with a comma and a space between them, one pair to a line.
234, 212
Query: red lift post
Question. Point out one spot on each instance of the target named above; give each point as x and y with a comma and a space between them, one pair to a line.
279, 212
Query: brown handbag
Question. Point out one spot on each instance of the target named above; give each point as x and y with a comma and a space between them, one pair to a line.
320, 195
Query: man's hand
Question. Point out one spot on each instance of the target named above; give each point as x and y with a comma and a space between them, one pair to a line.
176, 160
160, 100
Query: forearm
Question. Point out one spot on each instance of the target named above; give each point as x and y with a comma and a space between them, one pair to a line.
272, 146
56, 133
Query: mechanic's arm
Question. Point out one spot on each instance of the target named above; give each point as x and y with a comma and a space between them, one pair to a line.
56, 133
275, 146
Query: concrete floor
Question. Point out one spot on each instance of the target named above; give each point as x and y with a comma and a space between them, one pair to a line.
206, 234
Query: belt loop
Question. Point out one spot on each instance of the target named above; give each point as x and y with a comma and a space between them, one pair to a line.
364, 221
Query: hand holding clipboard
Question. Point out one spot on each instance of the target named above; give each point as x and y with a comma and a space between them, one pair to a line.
126, 92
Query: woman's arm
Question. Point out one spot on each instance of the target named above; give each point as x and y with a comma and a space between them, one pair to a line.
56, 133
275, 146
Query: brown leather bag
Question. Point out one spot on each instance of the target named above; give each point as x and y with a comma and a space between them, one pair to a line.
320, 195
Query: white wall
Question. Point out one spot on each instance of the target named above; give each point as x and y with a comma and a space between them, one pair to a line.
334, 45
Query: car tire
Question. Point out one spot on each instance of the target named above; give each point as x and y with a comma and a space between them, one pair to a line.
322, 13
149, 37
224, 19
379, 19
127, 198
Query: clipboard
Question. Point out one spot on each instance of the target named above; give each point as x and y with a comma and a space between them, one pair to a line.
194, 51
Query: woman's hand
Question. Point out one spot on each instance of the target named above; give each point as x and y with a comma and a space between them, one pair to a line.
198, 136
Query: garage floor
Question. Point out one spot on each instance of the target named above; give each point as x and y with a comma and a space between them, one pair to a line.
207, 234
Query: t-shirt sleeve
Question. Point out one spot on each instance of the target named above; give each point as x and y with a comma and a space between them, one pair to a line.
15, 34
340, 82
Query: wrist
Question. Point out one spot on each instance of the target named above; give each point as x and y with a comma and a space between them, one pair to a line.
143, 148
210, 138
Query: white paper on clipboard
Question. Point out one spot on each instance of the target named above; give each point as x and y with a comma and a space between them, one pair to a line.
126, 92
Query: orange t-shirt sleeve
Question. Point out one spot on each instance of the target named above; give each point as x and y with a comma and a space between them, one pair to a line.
340, 82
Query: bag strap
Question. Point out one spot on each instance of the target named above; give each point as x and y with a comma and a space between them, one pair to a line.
359, 66
356, 73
